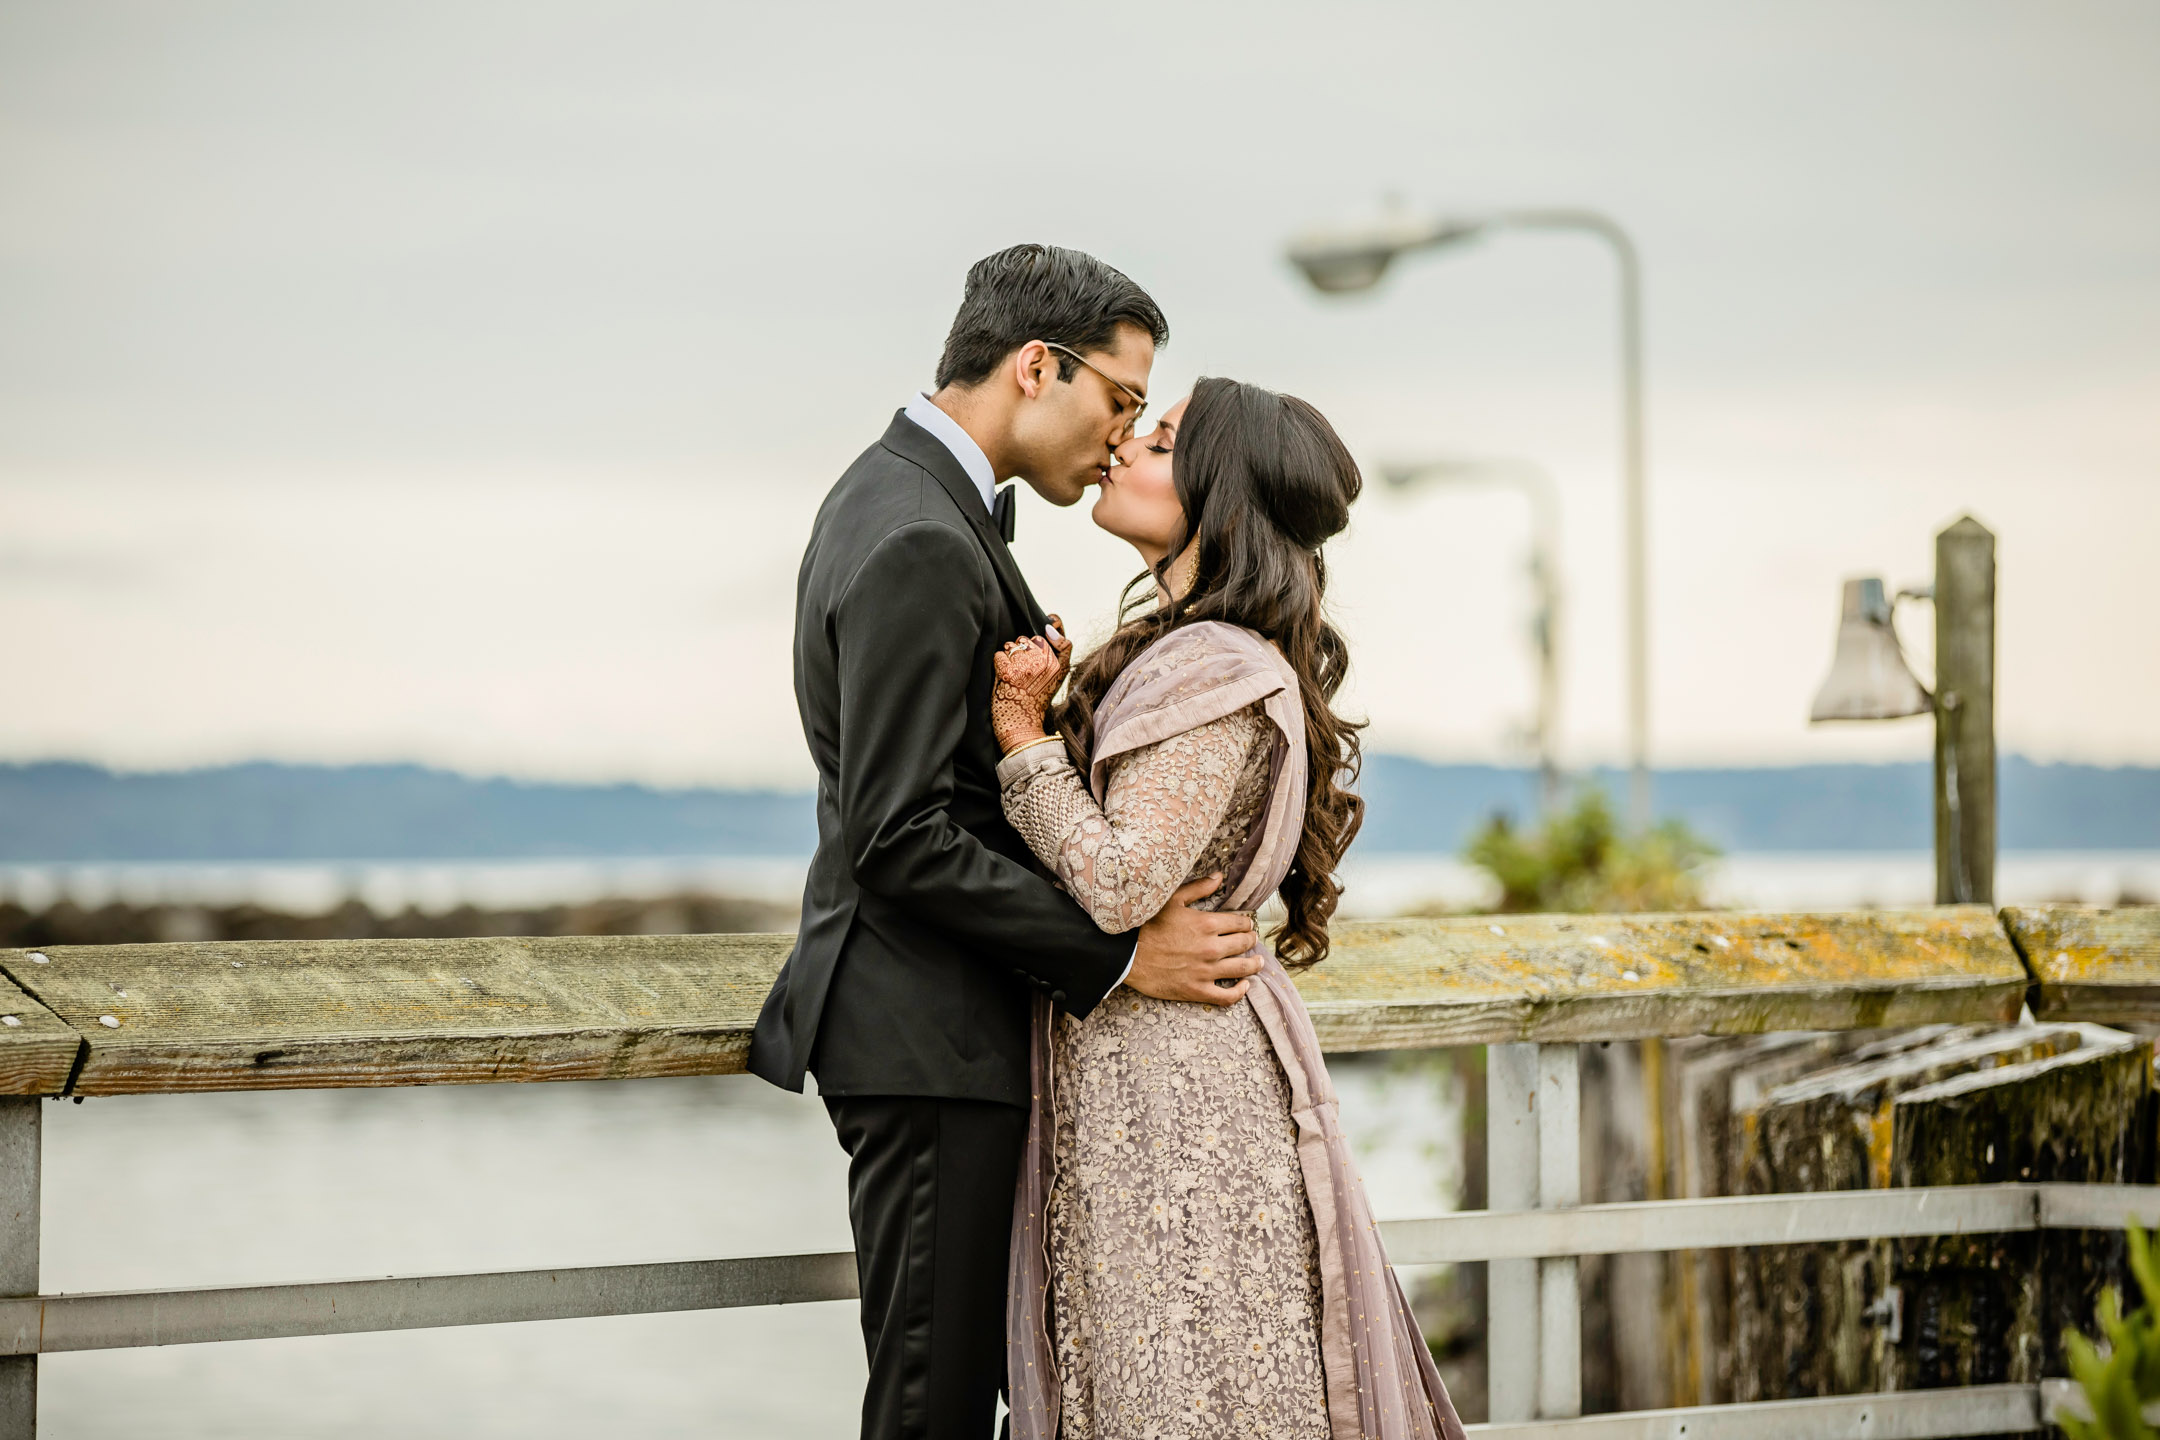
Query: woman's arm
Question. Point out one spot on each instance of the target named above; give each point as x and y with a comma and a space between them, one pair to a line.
1123, 858
904, 632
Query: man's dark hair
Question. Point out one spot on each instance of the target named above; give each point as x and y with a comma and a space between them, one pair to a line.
1041, 292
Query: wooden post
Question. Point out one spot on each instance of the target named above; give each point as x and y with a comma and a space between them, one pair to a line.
20, 1133
1533, 1331
1965, 714
1511, 1183
1559, 1172
1467, 1375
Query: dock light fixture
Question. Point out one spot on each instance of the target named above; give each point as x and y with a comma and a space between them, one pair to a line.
1344, 261
1869, 679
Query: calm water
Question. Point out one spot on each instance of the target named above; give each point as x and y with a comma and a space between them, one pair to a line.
195, 1190
192, 1190
1377, 884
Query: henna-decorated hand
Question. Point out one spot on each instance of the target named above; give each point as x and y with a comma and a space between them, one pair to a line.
1029, 671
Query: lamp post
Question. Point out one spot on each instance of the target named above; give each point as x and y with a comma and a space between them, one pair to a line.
1339, 262
1537, 487
1869, 680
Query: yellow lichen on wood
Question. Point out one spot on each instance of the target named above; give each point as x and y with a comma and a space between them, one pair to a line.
1882, 1132
2094, 964
295, 1014
1479, 979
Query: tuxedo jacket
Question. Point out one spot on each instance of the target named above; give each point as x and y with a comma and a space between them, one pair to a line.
925, 919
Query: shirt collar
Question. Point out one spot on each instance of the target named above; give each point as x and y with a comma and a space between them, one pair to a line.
963, 446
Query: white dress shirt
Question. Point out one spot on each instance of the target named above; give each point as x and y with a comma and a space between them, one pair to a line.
924, 412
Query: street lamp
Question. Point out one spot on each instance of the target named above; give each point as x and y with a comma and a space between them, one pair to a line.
1537, 487
1338, 262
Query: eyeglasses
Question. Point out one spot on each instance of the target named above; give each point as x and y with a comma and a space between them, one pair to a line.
1139, 400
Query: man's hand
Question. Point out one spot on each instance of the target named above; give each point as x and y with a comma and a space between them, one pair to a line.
1184, 951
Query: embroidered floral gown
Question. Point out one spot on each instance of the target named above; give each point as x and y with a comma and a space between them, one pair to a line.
1185, 1273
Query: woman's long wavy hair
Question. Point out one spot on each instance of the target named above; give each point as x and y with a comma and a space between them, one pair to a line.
1264, 483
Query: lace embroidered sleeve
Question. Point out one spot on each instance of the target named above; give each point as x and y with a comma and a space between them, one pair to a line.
1124, 858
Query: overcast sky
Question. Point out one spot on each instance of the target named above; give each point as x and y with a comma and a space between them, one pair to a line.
455, 382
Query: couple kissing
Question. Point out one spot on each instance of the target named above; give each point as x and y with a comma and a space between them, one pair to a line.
1095, 1163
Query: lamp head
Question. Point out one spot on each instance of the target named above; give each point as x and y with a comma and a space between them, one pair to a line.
1338, 262
1341, 269
1868, 678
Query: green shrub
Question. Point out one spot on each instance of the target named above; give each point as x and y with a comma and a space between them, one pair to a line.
2121, 1375
1578, 860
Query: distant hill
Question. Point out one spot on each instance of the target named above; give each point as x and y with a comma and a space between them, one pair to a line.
72, 812
319, 812
1418, 806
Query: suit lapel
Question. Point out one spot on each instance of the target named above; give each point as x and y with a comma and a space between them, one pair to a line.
911, 442
1017, 593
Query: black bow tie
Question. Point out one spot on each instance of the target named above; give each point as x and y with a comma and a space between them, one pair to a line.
1001, 513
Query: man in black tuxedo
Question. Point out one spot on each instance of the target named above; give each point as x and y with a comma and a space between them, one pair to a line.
926, 922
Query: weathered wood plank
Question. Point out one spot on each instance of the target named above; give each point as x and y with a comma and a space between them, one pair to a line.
299, 1014
1985, 1309
49, 1324
1981, 1410
1803, 1329
1721, 1087
37, 1048
279, 1014
2090, 964
1399, 984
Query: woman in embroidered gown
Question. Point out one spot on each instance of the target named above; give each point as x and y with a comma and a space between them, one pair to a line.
1192, 1252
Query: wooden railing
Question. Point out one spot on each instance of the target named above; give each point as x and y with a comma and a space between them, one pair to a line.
266, 1015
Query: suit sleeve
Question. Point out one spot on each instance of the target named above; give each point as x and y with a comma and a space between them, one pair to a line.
906, 631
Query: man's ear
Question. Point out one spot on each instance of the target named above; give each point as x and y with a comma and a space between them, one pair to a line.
1034, 365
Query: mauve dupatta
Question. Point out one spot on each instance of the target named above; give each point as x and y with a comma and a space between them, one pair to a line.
1381, 1384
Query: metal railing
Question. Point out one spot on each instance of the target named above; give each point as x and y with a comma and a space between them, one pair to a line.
271, 1015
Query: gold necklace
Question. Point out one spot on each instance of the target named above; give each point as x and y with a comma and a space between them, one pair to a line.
1189, 563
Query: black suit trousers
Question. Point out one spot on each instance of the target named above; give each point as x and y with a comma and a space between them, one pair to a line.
930, 1196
